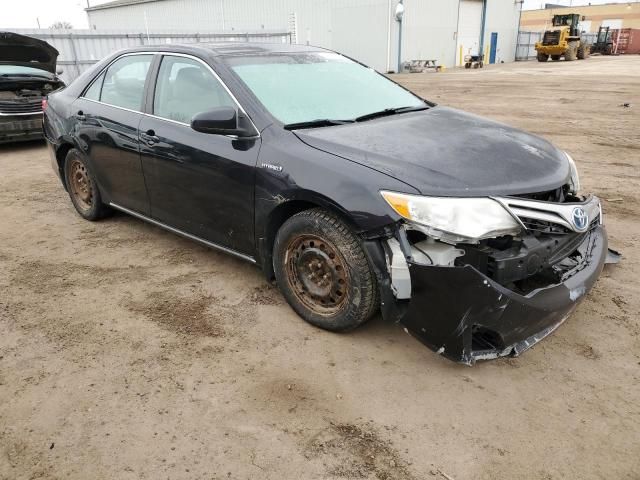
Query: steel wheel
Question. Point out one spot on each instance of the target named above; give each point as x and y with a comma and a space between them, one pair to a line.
317, 274
80, 185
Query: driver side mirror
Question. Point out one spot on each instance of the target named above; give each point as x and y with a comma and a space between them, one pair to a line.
223, 121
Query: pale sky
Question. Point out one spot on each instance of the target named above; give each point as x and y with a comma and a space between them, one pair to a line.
27, 13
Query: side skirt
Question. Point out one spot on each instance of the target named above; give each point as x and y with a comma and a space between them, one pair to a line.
209, 244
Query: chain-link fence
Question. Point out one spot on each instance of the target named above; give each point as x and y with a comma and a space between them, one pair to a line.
526, 47
79, 49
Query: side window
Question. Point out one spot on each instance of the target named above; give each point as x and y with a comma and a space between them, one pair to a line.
93, 92
123, 84
186, 87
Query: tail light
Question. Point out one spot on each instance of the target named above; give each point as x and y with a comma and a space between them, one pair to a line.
44, 104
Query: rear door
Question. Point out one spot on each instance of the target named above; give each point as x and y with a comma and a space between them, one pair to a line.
107, 117
199, 183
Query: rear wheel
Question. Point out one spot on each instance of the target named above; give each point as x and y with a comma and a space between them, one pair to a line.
542, 57
555, 58
82, 187
323, 272
583, 52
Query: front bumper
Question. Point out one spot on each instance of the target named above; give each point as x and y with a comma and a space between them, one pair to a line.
17, 128
465, 316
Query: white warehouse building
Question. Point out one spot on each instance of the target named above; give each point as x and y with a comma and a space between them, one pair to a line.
367, 30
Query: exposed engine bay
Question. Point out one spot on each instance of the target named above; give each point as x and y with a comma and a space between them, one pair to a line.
24, 96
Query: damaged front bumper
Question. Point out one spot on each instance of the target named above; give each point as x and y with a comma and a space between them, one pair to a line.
466, 316
18, 128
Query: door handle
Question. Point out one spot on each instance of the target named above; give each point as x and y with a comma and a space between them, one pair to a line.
80, 116
149, 137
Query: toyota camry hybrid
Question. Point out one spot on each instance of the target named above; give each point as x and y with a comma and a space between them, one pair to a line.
355, 194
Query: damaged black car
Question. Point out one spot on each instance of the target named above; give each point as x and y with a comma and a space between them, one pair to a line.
350, 191
27, 76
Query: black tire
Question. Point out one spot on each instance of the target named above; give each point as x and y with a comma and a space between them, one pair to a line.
542, 57
555, 58
572, 52
82, 187
344, 295
582, 52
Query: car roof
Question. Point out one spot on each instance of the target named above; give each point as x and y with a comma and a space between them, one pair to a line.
228, 48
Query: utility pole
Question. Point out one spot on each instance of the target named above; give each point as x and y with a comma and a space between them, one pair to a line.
399, 15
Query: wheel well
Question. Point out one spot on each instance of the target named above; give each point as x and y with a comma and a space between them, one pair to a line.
61, 156
277, 218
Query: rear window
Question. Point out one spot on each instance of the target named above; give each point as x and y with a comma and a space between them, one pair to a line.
123, 84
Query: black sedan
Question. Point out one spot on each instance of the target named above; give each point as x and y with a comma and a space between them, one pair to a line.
352, 192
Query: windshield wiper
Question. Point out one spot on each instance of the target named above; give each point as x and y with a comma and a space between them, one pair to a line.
320, 122
390, 111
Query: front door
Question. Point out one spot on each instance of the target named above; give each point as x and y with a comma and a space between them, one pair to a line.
107, 116
494, 47
199, 183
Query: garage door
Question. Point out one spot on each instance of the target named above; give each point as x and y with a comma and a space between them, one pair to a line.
612, 23
469, 25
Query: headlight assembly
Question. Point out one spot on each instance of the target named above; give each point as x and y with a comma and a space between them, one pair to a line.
574, 180
459, 219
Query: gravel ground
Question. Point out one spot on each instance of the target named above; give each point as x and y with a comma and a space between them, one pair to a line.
127, 352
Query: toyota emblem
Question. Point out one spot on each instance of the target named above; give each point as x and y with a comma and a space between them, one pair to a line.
580, 218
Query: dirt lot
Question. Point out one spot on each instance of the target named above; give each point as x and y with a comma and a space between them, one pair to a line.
128, 352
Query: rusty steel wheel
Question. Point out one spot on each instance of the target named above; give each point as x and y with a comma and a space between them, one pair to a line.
323, 272
317, 274
82, 187
80, 184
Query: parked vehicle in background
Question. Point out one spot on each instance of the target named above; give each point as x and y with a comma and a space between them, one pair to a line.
27, 76
563, 39
349, 190
604, 42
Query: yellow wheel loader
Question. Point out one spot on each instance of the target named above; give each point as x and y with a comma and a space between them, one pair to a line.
563, 39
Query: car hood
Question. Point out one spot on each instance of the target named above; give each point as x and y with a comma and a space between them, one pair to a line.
447, 152
27, 52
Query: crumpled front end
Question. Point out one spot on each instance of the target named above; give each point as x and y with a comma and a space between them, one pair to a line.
500, 296
466, 316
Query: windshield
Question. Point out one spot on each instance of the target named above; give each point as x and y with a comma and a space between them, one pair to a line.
303, 87
20, 70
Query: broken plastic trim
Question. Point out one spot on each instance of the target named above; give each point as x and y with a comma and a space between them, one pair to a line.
471, 317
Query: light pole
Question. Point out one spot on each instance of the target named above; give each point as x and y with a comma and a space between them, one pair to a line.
399, 15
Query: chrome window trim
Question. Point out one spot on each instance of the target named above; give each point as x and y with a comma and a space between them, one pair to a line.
175, 54
182, 233
112, 106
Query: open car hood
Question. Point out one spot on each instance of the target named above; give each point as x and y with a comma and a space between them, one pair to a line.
446, 152
27, 52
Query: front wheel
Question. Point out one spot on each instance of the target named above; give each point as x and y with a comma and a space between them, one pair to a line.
572, 52
323, 272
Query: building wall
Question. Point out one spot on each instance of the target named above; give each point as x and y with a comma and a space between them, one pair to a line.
595, 15
502, 18
363, 29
